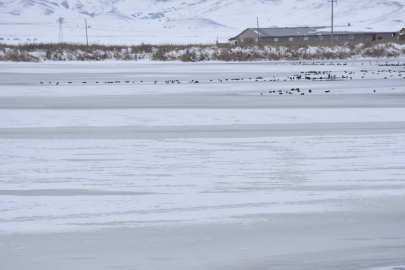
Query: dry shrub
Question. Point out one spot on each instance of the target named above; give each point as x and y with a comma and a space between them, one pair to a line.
16, 55
224, 55
198, 52
376, 51
185, 57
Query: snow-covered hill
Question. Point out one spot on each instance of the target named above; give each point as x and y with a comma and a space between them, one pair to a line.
182, 21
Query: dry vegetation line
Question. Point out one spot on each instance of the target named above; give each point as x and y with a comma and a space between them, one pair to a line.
37, 52
305, 75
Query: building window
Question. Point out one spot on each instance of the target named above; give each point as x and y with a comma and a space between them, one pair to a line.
275, 39
379, 38
351, 37
256, 39
241, 40
305, 38
320, 37
393, 34
336, 37
291, 39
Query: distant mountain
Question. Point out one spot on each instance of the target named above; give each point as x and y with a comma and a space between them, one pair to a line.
182, 21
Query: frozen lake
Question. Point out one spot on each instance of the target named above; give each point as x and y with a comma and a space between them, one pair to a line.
119, 169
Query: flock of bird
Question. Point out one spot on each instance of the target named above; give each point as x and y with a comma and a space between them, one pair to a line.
386, 64
280, 92
307, 75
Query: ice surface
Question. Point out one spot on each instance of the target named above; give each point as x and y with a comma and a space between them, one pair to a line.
214, 175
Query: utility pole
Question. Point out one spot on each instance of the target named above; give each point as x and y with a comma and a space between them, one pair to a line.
60, 20
87, 38
258, 35
331, 32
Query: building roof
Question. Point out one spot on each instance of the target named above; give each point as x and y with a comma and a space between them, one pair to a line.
298, 31
290, 31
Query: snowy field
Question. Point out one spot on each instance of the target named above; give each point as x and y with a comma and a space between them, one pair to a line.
126, 171
182, 21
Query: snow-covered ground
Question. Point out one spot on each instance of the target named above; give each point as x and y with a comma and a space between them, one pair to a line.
183, 21
220, 174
